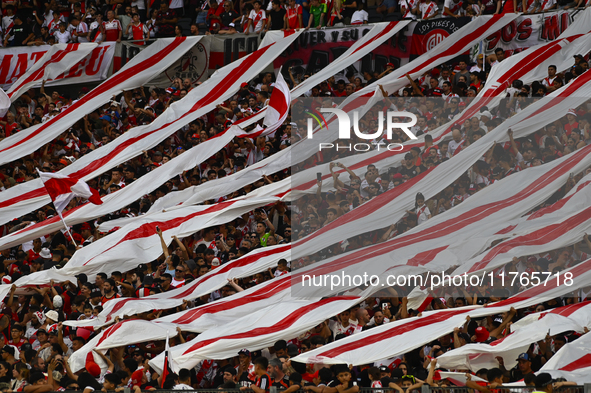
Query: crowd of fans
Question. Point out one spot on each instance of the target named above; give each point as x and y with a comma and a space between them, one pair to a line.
36, 342
32, 22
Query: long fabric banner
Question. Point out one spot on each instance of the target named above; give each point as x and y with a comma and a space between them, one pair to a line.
559, 225
262, 328
399, 337
50, 66
532, 206
136, 73
94, 67
526, 331
572, 361
512, 188
372, 215
193, 64
375, 37
198, 102
318, 49
286, 157
531, 30
521, 192
254, 262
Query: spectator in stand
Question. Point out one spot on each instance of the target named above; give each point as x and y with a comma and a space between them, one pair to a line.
293, 15
166, 20
427, 9
408, 8
20, 34
257, 19
277, 17
228, 19
112, 28
360, 17
139, 31
317, 14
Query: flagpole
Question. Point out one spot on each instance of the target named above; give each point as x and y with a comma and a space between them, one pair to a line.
66, 226
165, 367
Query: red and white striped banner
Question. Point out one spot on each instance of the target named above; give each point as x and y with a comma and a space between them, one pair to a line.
572, 361
143, 67
254, 262
559, 225
58, 59
526, 331
94, 67
262, 328
199, 101
286, 157
399, 337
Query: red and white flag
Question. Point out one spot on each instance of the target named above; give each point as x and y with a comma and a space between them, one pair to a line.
278, 103
276, 112
62, 189
166, 366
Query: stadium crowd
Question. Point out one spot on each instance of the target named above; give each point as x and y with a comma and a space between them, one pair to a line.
34, 341
33, 23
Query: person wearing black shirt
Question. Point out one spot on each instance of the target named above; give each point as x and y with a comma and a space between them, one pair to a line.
522, 369
276, 17
409, 170
227, 19
263, 380
349, 7
21, 33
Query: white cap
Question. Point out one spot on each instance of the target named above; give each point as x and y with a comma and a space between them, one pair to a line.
487, 114
58, 301
52, 314
215, 262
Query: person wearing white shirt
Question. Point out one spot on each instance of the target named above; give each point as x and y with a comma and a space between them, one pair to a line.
428, 9
452, 8
79, 30
62, 36
257, 19
549, 80
479, 64
407, 8
547, 5
360, 17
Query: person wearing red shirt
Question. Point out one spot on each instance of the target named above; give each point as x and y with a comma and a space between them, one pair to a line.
112, 27
293, 15
340, 91
139, 31
11, 126
34, 252
213, 14
17, 332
